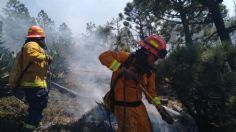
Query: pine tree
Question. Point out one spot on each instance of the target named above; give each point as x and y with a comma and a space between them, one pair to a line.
142, 19
49, 26
16, 23
65, 34
202, 80
214, 7
44, 20
187, 20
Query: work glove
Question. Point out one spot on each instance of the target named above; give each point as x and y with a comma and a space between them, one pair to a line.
164, 114
157, 101
49, 59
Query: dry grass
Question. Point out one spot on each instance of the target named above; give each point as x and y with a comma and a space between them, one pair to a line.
57, 111
13, 111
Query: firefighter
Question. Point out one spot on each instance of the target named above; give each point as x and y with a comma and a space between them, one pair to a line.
33, 82
135, 68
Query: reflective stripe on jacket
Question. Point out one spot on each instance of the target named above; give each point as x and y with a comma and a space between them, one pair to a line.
35, 76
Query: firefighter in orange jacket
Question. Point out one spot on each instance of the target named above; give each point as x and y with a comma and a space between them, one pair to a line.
33, 82
130, 112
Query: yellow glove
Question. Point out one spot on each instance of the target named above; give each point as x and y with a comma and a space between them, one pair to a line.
157, 101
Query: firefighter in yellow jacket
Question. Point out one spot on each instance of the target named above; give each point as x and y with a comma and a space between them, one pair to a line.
33, 81
130, 112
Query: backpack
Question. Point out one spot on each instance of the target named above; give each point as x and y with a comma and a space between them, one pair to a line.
17, 70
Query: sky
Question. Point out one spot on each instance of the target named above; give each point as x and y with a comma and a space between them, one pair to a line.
76, 13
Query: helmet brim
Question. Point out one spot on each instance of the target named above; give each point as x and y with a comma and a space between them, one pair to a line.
35, 36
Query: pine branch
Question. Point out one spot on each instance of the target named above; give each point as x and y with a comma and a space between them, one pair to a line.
177, 22
231, 28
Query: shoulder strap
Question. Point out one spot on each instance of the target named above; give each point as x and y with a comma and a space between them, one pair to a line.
23, 72
129, 61
126, 64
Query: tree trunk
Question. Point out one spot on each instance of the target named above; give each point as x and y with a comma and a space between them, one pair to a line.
188, 36
218, 20
220, 26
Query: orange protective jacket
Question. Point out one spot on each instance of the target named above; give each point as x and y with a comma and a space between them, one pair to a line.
136, 119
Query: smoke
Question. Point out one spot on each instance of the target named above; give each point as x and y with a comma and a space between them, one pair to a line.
92, 79
14, 33
158, 124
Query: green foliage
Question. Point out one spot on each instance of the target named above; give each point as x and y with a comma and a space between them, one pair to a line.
104, 32
65, 34
90, 27
6, 58
202, 79
109, 36
59, 47
183, 21
59, 66
100, 37
216, 12
123, 35
16, 22
141, 18
15, 9
44, 20
125, 40
49, 26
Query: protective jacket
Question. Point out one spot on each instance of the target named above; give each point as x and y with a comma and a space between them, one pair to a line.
35, 76
136, 119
